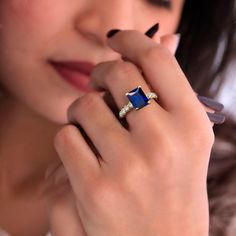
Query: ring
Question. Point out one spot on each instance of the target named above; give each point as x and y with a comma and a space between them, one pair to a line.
137, 100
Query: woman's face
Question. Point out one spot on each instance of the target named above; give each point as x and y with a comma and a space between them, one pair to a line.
36, 31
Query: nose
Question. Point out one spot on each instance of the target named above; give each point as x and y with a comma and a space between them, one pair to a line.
101, 16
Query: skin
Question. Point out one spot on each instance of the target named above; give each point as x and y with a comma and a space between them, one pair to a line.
60, 30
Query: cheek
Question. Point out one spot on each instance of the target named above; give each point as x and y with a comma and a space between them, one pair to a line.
169, 19
33, 23
31, 15
170, 24
35, 10
172, 21
23, 11
27, 27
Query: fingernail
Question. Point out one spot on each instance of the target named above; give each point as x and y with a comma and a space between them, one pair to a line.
112, 32
152, 31
211, 103
216, 118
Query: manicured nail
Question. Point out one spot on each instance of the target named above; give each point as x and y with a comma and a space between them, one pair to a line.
211, 103
216, 117
152, 31
112, 32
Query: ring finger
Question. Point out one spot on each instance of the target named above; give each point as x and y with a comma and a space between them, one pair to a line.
120, 77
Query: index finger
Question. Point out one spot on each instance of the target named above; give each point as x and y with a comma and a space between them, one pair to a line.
160, 68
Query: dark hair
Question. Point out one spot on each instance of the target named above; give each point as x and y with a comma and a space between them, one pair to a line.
205, 25
207, 46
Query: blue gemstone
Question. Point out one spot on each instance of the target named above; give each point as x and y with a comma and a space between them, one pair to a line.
138, 98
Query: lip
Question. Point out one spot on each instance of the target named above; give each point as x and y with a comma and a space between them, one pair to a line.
77, 73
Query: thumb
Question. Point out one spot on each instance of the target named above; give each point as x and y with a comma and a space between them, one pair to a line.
63, 217
62, 205
171, 42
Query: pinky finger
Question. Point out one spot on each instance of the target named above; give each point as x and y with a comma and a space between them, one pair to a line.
79, 161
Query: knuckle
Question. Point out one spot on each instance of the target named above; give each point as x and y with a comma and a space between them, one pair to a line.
157, 53
187, 104
208, 137
120, 70
132, 176
64, 134
201, 139
88, 101
99, 190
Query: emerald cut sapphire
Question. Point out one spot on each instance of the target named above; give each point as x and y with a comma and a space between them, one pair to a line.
138, 98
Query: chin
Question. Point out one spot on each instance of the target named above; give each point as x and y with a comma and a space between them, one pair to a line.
56, 99
54, 109
44, 93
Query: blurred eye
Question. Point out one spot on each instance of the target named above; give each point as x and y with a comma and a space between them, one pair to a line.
161, 3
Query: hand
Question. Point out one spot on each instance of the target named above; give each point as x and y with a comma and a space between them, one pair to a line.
148, 173
63, 217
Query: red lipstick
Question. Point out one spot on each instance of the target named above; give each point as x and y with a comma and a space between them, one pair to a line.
76, 73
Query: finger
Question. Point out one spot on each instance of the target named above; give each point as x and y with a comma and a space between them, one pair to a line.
78, 159
170, 41
159, 67
60, 175
62, 212
151, 33
109, 100
119, 78
101, 126
209, 111
53, 166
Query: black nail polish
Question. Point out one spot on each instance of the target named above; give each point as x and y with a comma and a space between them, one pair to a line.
112, 32
211, 103
152, 31
216, 117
